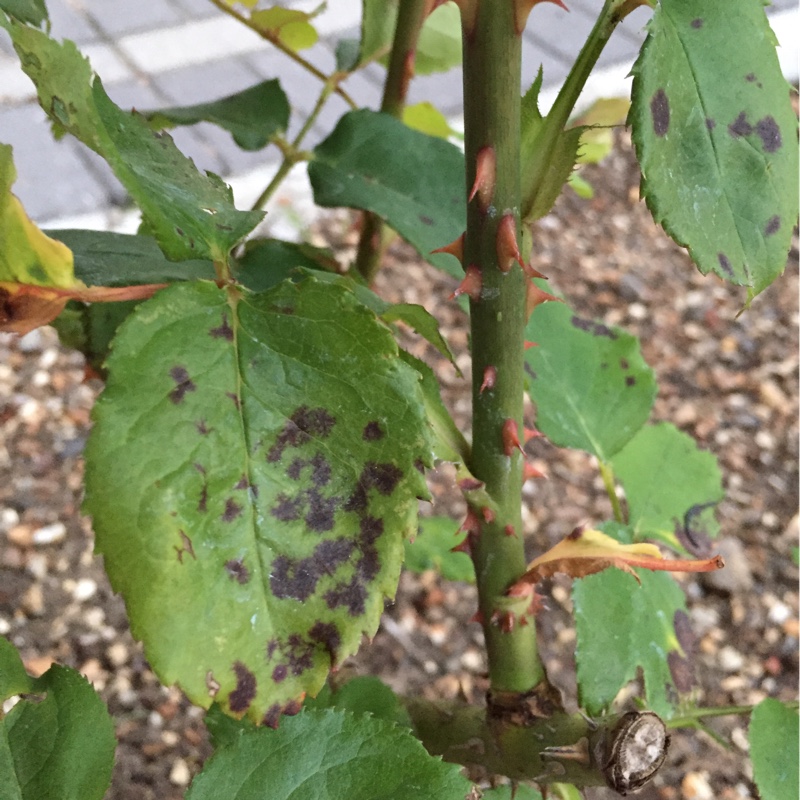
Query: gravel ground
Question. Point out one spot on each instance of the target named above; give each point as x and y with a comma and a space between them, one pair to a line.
730, 382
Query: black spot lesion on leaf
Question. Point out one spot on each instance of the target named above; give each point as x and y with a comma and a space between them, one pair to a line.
725, 264
232, 510
235, 398
710, 124
304, 424
595, 328
243, 695
372, 431
185, 547
237, 571
659, 111
327, 635
297, 579
697, 23
202, 427
630, 380
740, 126
770, 134
183, 384
773, 225
222, 331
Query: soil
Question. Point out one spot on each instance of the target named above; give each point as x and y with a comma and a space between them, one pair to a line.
730, 381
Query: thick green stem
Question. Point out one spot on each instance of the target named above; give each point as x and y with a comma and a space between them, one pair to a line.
411, 15
492, 50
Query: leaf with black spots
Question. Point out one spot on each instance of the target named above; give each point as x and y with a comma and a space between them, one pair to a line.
254, 466
716, 137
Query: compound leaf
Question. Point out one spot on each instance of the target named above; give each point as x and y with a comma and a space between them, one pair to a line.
671, 487
412, 181
716, 137
621, 626
252, 473
591, 386
331, 755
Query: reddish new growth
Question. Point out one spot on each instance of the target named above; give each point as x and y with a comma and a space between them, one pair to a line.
528, 345
485, 177
522, 9
529, 471
509, 530
489, 379
471, 285
506, 244
536, 296
511, 440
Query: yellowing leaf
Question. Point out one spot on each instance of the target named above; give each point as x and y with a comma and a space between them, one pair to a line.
290, 27
586, 551
27, 255
426, 118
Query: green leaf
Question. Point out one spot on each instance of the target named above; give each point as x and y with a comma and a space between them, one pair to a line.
291, 27
774, 740
423, 322
362, 695
591, 386
27, 255
267, 262
103, 258
13, 678
716, 137
542, 183
254, 465
414, 182
426, 118
191, 215
432, 549
253, 116
61, 747
622, 626
32, 11
329, 755
449, 443
669, 483
347, 53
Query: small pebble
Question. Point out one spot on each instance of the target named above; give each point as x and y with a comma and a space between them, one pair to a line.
695, 786
84, 589
472, 660
180, 775
730, 660
50, 534
779, 613
117, 654
5, 626
33, 600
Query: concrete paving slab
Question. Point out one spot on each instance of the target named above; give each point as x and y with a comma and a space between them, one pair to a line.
116, 18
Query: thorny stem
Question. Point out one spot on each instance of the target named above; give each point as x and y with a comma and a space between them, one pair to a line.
607, 474
411, 15
294, 55
492, 57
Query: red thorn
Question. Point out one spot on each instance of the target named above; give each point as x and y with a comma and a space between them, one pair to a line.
507, 622
529, 471
532, 272
489, 379
522, 9
523, 621
520, 590
455, 248
462, 547
485, 177
528, 345
471, 285
536, 296
509, 530
511, 437
470, 484
471, 523
488, 514
531, 433
477, 617
506, 244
